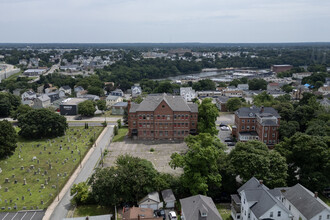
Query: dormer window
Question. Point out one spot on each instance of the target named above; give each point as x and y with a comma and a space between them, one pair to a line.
204, 214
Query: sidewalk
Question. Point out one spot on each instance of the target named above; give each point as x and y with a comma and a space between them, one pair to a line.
66, 188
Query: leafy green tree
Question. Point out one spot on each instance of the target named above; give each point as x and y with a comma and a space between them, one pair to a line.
95, 91
285, 110
164, 86
119, 123
287, 88
207, 116
257, 84
253, 158
318, 127
139, 177
263, 99
41, 123
81, 194
101, 105
86, 108
308, 160
115, 130
8, 139
288, 129
200, 163
234, 104
204, 85
138, 99
235, 82
8, 103
22, 109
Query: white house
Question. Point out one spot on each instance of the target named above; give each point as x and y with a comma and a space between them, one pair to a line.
151, 201
42, 101
255, 201
304, 204
168, 198
111, 100
325, 90
136, 90
187, 93
243, 87
66, 89
28, 95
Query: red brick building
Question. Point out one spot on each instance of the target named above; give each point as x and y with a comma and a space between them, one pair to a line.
162, 116
280, 68
257, 123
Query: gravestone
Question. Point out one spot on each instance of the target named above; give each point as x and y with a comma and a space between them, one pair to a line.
46, 182
32, 167
6, 189
30, 193
13, 176
22, 168
53, 186
24, 181
23, 198
49, 179
7, 180
42, 186
15, 182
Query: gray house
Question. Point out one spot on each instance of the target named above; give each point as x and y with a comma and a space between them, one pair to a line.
42, 101
168, 198
199, 207
119, 108
151, 201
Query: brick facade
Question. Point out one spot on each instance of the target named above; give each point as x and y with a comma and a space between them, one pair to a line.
257, 124
162, 121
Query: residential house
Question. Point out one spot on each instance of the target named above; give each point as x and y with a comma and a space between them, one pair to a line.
187, 93
78, 89
119, 108
255, 201
53, 96
209, 94
304, 204
111, 100
136, 90
66, 89
243, 87
151, 201
51, 89
257, 123
136, 213
199, 207
42, 101
273, 87
90, 97
168, 198
300, 76
162, 116
232, 93
221, 103
117, 92
325, 90
275, 93
28, 95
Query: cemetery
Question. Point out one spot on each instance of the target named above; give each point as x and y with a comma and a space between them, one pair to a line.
31, 178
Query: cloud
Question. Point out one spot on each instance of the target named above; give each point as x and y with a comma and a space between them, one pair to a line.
164, 20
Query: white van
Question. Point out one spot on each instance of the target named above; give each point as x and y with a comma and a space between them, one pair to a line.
172, 215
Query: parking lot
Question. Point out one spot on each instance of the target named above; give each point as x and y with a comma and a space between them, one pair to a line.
227, 119
160, 157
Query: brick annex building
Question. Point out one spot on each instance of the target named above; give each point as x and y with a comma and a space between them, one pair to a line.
257, 123
162, 116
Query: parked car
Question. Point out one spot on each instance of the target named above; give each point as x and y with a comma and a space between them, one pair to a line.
78, 117
160, 213
224, 128
172, 215
222, 125
228, 139
230, 143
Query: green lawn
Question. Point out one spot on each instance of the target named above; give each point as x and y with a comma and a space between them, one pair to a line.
224, 211
91, 210
36, 156
122, 132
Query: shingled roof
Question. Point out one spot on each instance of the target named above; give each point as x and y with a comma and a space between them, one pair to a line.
251, 112
176, 103
304, 201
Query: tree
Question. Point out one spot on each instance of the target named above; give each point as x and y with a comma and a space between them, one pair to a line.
8, 103
86, 108
204, 85
41, 123
95, 91
138, 99
81, 194
287, 88
308, 160
253, 158
139, 176
119, 123
101, 105
318, 127
115, 130
8, 139
263, 99
233, 104
21, 110
257, 84
207, 116
288, 129
200, 163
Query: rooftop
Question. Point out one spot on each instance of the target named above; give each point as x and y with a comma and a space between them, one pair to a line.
72, 101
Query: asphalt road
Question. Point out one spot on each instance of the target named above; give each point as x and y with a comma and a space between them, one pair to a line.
63, 207
79, 124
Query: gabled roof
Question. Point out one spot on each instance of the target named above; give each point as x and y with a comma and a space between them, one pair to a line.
176, 103
66, 87
252, 183
168, 195
154, 196
194, 205
112, 97
250, 112
304, 201
134, 212
44, 98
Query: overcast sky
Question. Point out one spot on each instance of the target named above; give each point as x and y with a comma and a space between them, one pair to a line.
166, 21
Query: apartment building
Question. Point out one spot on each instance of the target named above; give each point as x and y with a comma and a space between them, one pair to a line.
162, 116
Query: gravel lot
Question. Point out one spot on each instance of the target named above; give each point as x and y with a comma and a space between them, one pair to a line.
160, 158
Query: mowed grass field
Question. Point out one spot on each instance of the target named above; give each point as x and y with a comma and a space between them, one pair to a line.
45, 161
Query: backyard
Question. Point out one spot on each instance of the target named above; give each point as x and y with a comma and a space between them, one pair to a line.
35, 173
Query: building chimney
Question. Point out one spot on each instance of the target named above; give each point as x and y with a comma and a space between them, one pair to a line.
262, 109
128, 105
316, 194
261, 182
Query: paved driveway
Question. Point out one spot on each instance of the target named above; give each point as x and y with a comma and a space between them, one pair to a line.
160, 158
228, 119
